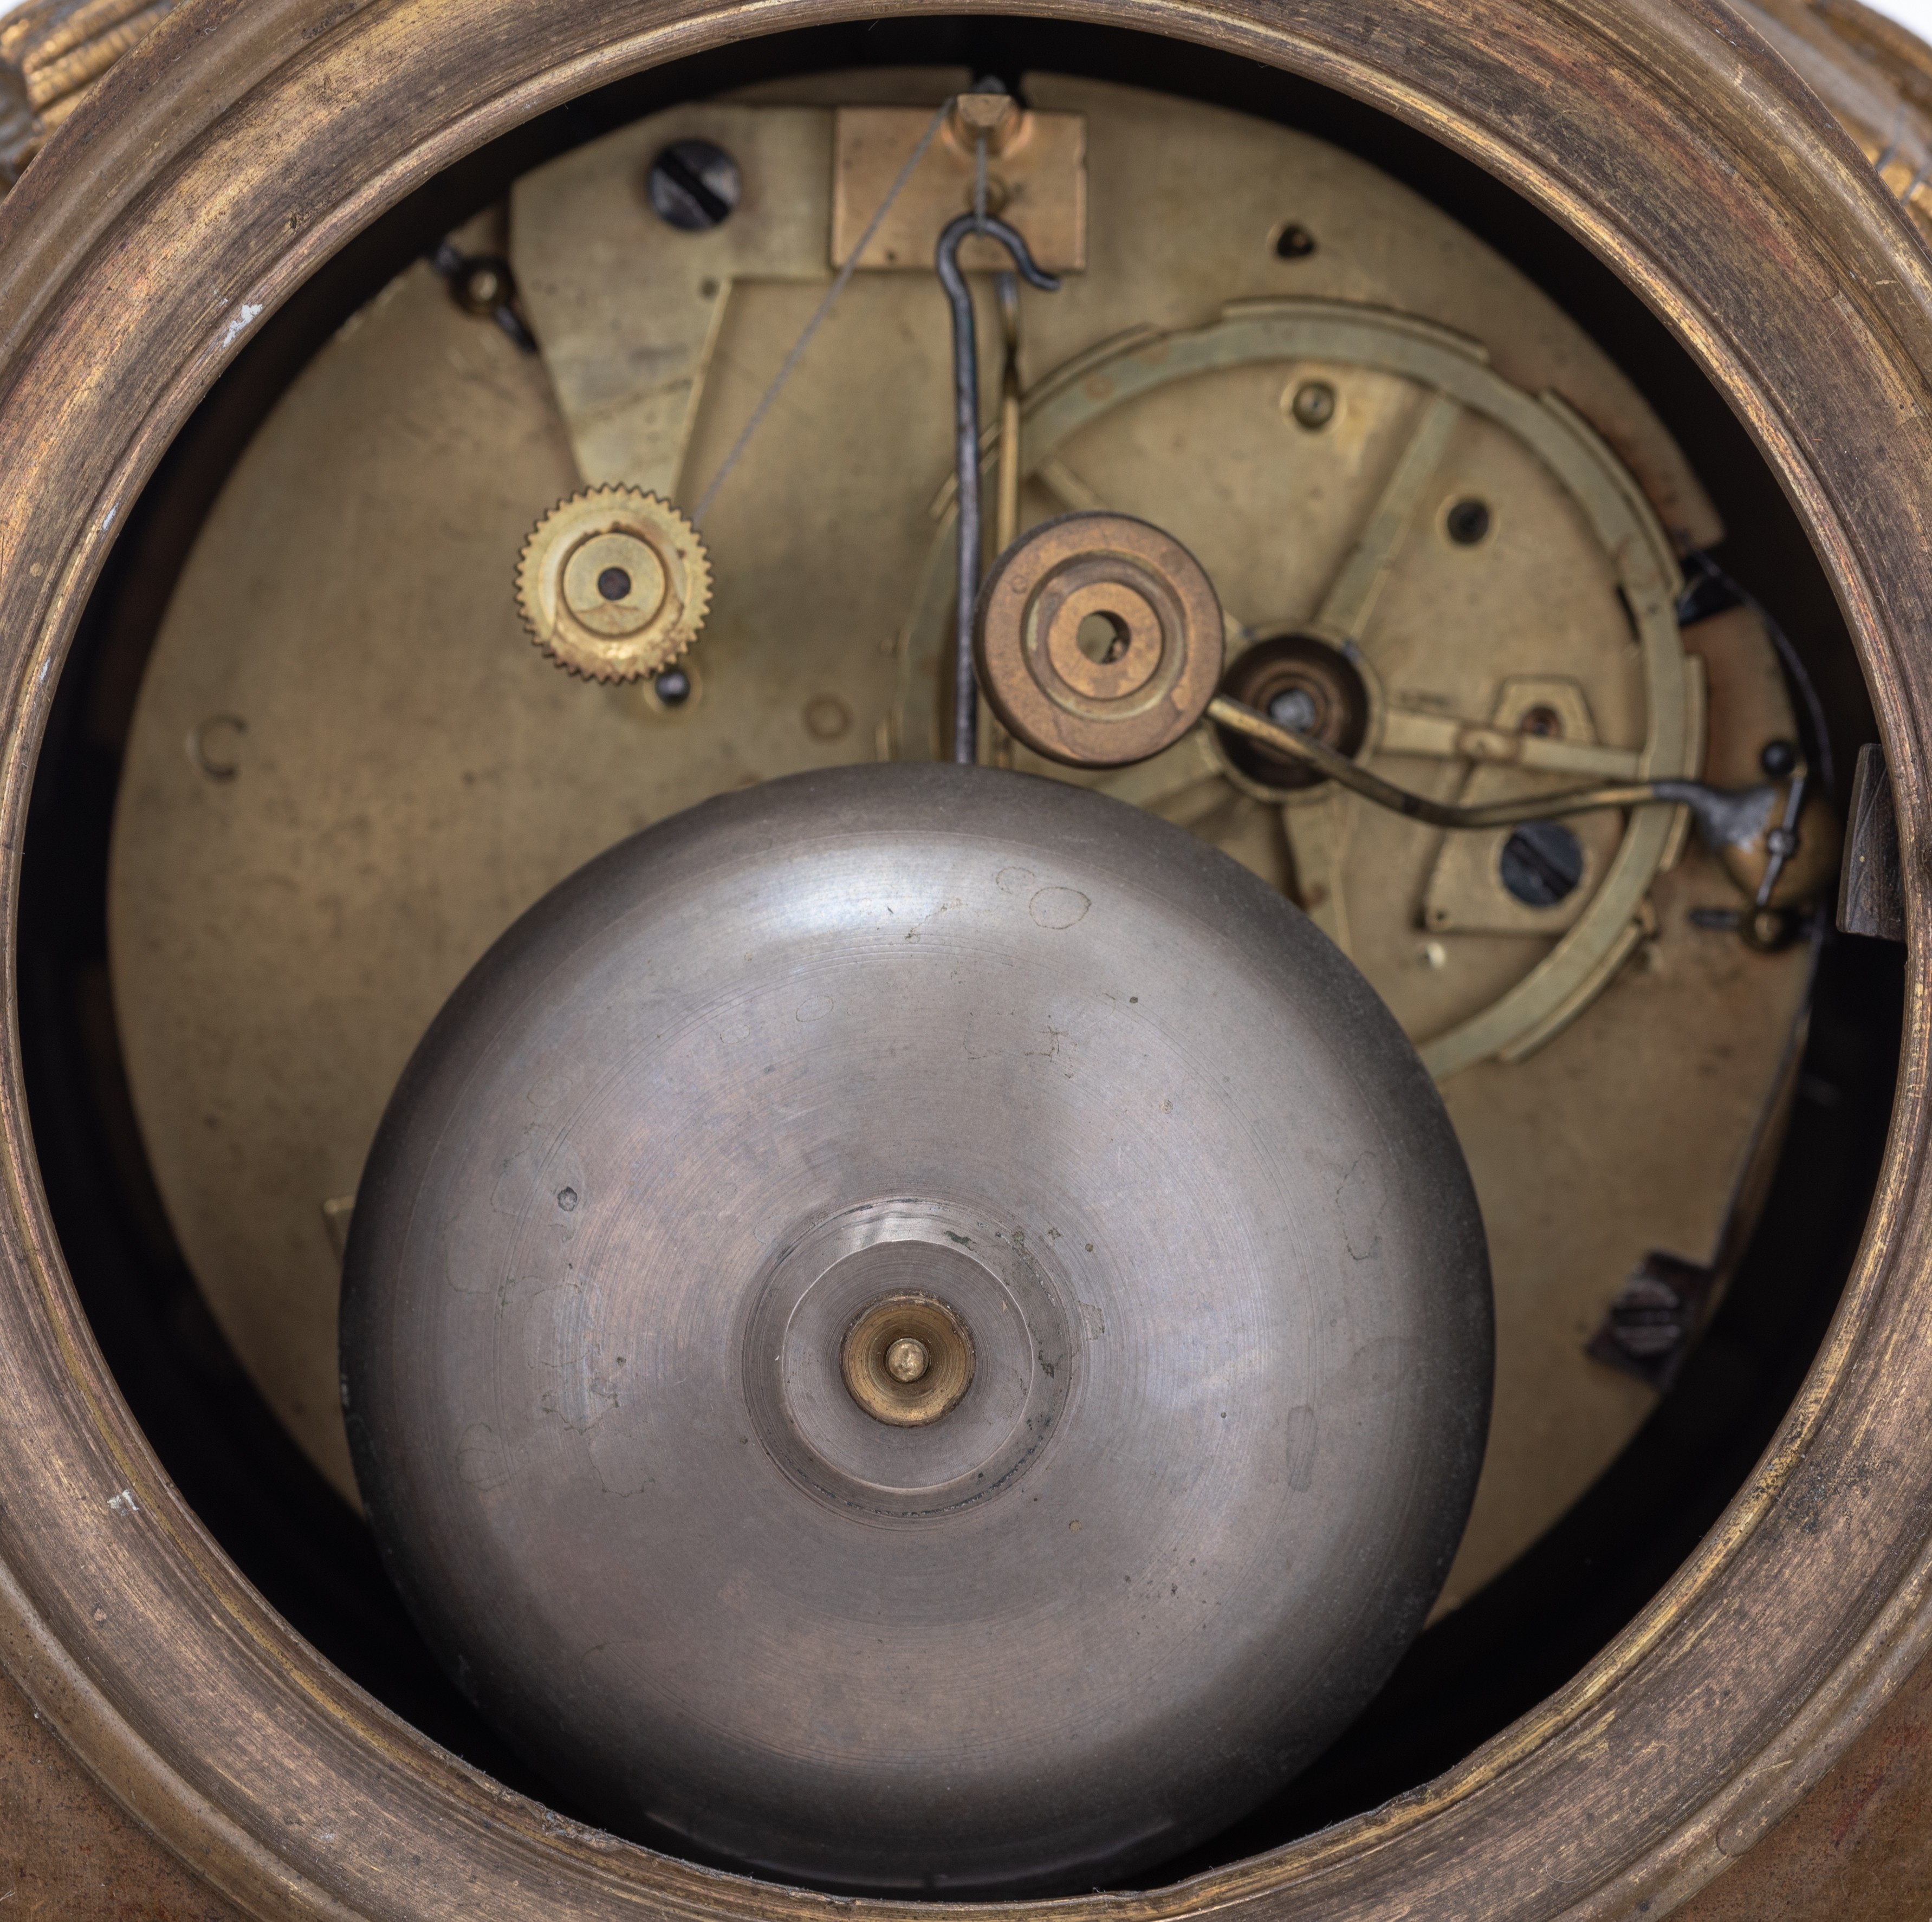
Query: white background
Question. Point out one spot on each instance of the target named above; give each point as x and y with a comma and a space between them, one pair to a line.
1916, 14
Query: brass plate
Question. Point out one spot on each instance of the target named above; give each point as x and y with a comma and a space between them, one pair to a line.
1342, 532
1464, 892
631, 310
280, 939
1037, 181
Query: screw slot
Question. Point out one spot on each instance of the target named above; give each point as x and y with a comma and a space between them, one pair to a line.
694, 185
1542, 863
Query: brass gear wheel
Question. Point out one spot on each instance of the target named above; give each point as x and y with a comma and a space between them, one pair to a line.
614, 583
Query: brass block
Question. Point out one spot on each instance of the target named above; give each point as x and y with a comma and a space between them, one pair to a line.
1035, 176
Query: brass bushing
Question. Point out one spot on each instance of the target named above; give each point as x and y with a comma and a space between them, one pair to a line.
1333, 698
1098, 640
907, 1359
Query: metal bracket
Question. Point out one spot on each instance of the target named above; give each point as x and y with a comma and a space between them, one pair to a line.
1037, 176
1648, 1329
1871, 884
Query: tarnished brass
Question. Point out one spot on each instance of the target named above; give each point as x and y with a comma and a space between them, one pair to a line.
1036, 180
614, 583
1812, 867
1073, 640
51, 53
262, 943
1422, 417
1542, 724
1098, 640
630, 309
1781, 850
908, 1359
1798, 285
1871, 893
1309, 683
1874, 75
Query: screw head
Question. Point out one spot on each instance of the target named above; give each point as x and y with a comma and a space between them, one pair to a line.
694, 185
1542, 863
1468, 522
907, 1359
1313, 406
1294, 709
1778, 759
484, 288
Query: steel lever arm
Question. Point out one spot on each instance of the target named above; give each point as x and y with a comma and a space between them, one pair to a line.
1727, 820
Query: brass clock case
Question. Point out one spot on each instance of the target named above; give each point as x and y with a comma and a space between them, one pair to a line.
224, 161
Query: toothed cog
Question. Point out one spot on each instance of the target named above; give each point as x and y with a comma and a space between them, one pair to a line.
614, 583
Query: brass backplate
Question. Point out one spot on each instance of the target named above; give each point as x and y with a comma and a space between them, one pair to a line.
412, 774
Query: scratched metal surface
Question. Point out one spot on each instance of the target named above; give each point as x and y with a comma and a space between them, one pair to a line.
69, 1853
